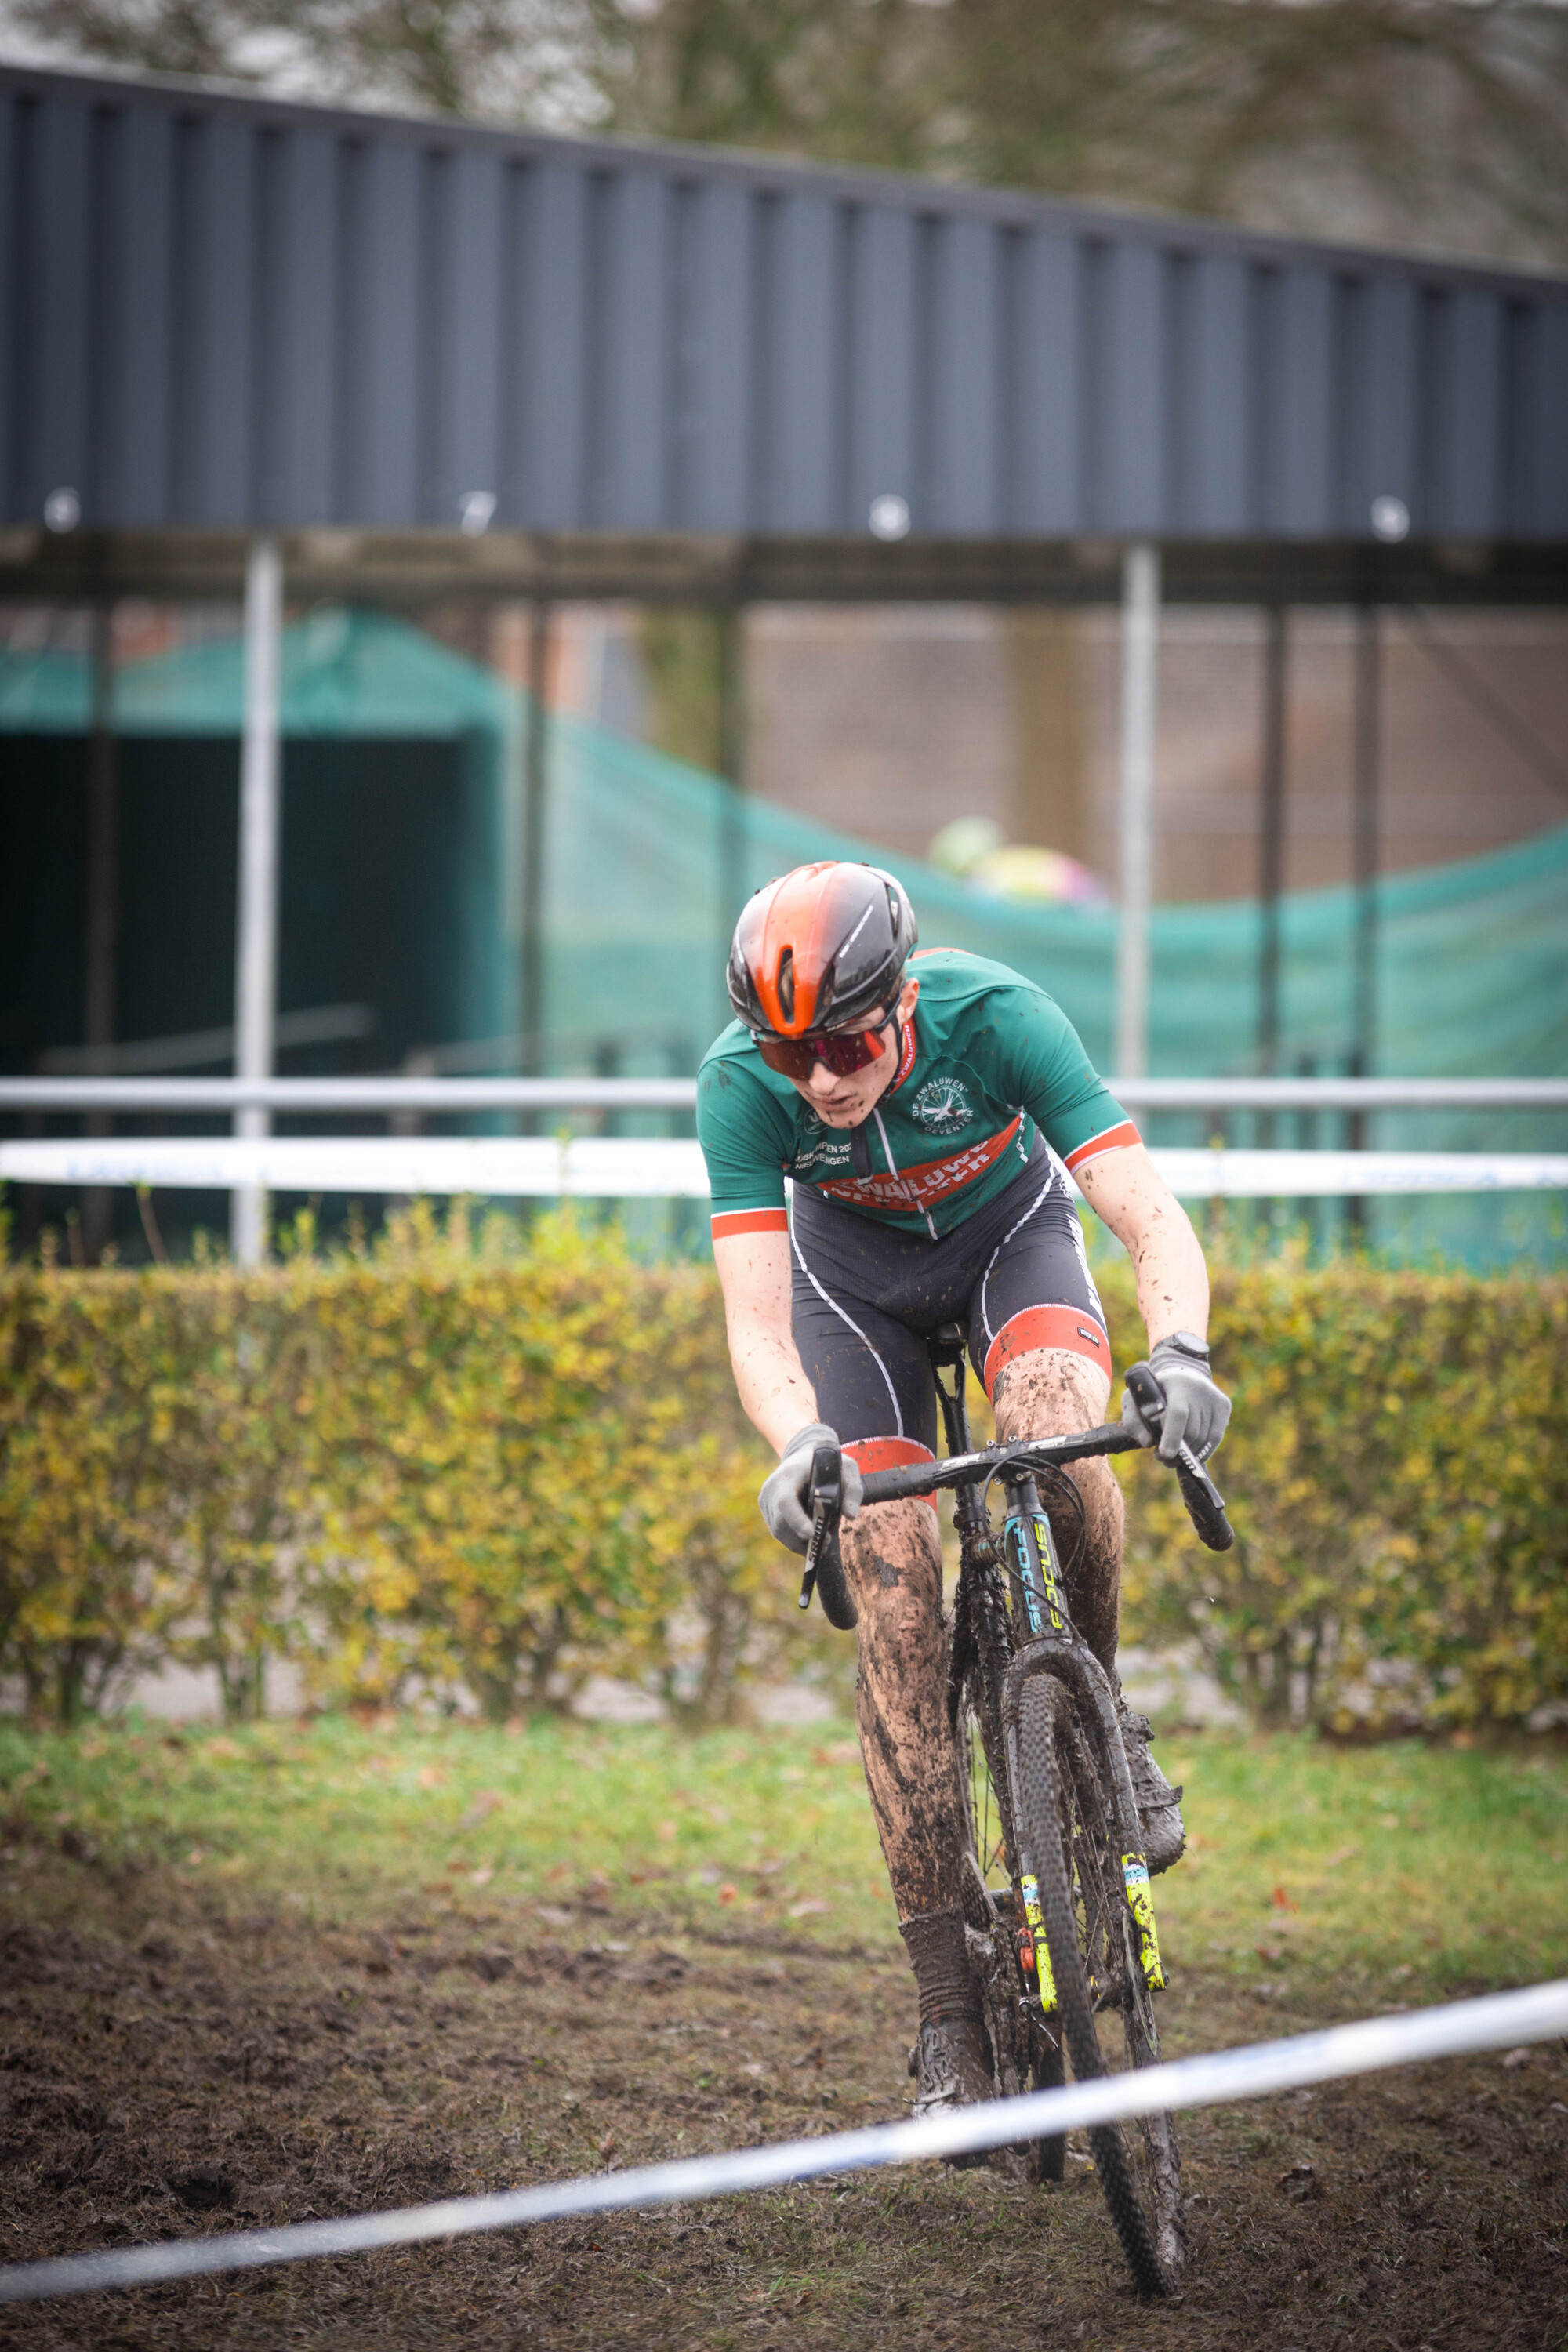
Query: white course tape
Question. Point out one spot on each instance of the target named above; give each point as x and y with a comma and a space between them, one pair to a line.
1500, 2022
495, 1167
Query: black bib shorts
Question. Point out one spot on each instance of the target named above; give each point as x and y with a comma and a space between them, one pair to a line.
865, 1297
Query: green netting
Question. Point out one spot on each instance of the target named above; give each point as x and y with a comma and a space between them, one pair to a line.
1472, 958
43, 694
646, 860
344, 673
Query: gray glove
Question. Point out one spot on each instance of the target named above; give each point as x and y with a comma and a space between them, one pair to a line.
785, 1497
1195, 1409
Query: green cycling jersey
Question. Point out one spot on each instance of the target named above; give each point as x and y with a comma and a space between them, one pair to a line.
985, 1061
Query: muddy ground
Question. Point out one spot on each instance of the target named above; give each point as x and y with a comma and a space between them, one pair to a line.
167, 2068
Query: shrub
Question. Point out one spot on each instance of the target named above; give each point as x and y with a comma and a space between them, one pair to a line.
456, 1463
526, 1467
76, 1473
439, 1464
1398, 1482
151, 1477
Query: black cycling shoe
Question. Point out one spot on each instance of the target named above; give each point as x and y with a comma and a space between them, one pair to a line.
952, 2066
1159, 1805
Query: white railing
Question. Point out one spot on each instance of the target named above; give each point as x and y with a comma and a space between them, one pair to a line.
606, 1167
431, 1097
603, 1166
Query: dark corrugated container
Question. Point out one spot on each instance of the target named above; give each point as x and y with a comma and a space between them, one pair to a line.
221, 313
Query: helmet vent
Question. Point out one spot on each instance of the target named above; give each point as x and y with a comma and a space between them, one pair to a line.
787, 983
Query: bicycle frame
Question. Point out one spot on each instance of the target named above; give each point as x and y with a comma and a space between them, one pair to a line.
1004, 1640
1045, 1637
1051, 1643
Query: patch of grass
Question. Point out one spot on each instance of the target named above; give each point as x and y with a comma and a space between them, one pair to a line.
1436, 1869
1338, 1873
769, 1825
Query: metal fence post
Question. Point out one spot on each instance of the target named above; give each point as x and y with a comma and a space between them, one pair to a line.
255, 946
1366, 828
102, 923
535, 789
1271, 854
733, 767
1140, 655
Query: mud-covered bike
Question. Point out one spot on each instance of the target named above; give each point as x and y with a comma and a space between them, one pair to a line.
1057, 1900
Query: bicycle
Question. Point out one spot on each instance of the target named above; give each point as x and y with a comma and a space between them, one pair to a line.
1071, 1935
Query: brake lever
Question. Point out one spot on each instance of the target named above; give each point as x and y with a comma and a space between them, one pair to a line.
1205, 1504
1188, 1461
827, 1506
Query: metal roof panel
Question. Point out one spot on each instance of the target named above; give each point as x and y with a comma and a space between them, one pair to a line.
223, 311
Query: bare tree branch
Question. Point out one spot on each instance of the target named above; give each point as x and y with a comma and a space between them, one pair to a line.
1437, 121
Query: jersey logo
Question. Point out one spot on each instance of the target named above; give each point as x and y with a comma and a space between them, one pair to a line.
941, 1106
933, 1180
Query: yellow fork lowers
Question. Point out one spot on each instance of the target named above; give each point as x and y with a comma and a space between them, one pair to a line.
1141, 1903
1040, 1954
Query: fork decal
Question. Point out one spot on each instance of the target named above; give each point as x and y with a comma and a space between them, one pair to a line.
1141, 1903
1034, 1951
1042, 1595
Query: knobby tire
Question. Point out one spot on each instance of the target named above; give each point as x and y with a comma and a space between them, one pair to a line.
1061, 1815
1023, 2052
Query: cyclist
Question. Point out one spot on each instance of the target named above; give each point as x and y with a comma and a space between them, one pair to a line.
928, 1110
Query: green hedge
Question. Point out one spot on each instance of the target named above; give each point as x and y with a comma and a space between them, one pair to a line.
437, 1465
447, 1464
1397, 1474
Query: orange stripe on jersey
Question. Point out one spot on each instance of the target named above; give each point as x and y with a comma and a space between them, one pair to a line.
1072, 1328
1114, 1138
889, 1454
730, 1223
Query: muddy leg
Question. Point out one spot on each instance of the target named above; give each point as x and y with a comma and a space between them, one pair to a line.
894, 1561
1045, 1394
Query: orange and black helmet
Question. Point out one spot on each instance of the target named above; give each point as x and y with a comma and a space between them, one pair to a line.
820, 949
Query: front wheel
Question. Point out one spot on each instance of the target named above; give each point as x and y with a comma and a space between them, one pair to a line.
1066, 1844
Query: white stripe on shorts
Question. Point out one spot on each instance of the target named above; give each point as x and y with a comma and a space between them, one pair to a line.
876, 1358
1039, 1201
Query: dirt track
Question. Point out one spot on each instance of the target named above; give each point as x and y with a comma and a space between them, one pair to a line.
170, 2070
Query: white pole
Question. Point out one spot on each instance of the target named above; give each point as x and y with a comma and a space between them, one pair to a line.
1140, 655
255, 948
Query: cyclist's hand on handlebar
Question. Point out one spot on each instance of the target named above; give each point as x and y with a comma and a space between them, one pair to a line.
1196, 1409
785, 1497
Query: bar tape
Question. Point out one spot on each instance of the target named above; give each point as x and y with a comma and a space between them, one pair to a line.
1501, 2020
